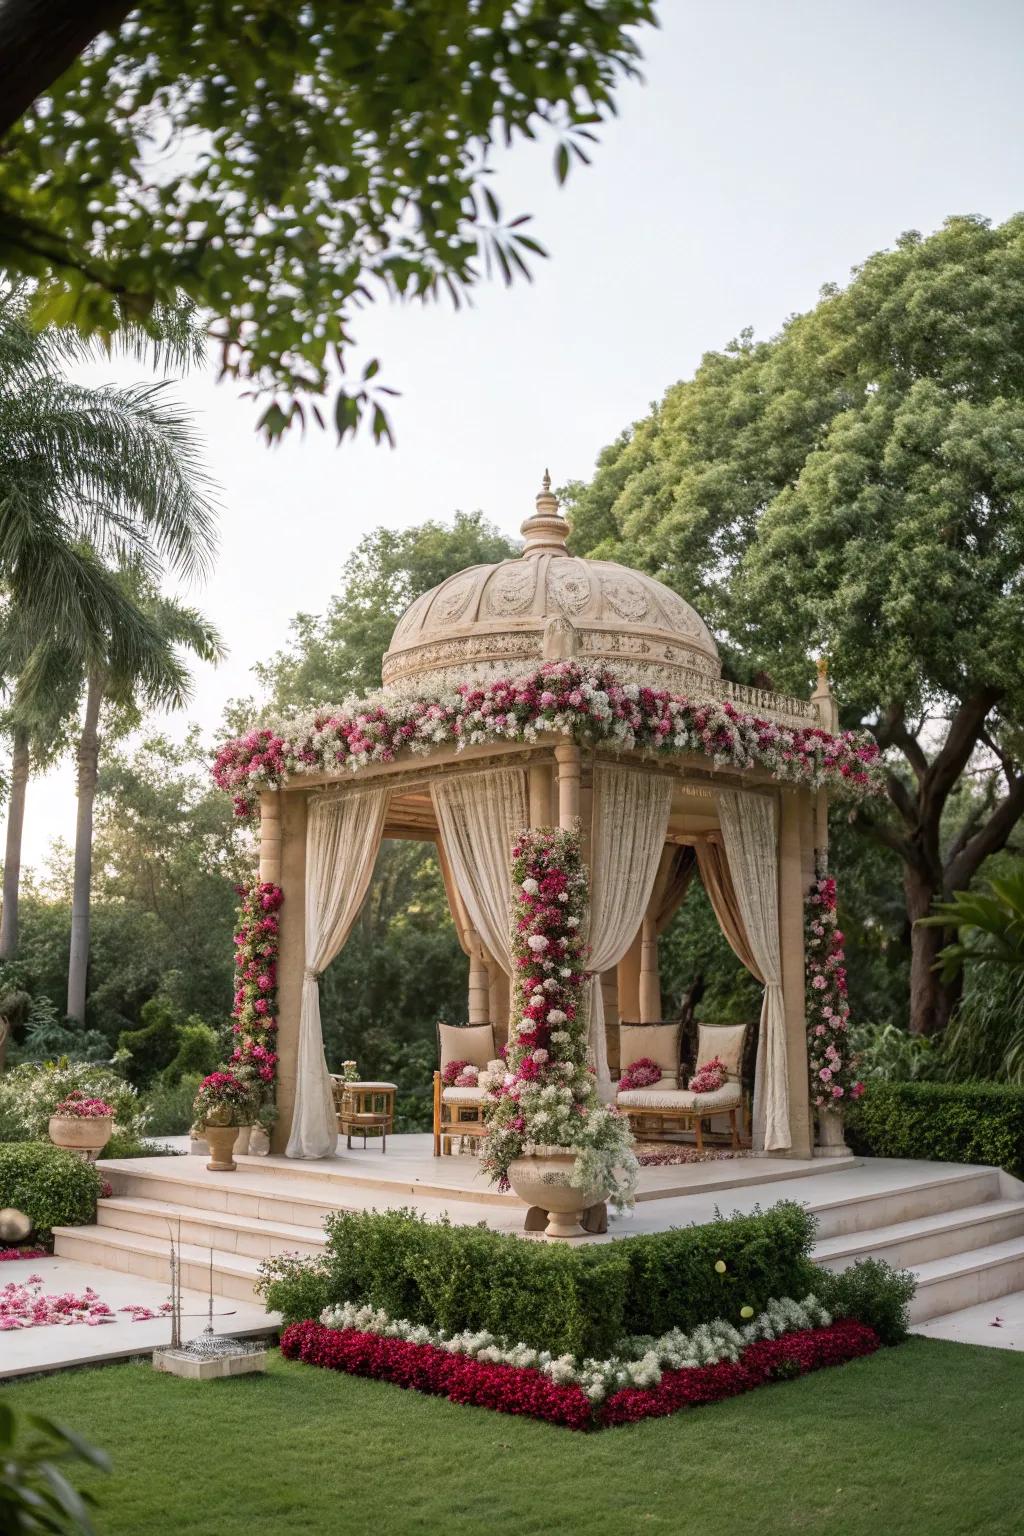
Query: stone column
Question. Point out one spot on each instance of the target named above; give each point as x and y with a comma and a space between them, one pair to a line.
270, 837
540, 782
629, 982
791, 942
650, 981
568, 770
479, 981
291, 958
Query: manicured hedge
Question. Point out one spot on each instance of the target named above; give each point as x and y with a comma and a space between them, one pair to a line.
53, 1187
579, 1301
944, 1122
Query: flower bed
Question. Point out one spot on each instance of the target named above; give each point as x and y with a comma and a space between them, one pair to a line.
548, 1096
564, 697
526, 1391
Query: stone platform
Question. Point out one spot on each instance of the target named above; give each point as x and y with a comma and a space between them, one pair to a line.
960, 1228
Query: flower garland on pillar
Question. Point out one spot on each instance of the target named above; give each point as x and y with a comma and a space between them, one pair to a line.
254, 1058
548, 1095
830, 1060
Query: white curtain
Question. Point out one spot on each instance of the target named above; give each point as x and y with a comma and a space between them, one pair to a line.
480, 815
342, 839
750, 836
631, 810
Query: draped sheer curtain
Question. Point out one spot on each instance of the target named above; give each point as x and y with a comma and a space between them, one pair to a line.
749, 916
631, 810
342, 841
479, 816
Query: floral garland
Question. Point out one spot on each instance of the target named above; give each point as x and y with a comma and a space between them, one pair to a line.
565, 697
254, 1058
831, 1061
526, 1391
548, 1096
641, 1362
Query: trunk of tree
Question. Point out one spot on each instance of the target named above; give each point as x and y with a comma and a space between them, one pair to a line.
931, 1001
88, 767
40, 39
12, 856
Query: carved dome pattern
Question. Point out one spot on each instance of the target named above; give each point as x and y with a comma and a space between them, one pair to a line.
496, 620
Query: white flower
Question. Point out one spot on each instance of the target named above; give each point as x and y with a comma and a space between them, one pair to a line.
573, 922
563, 895
556, 1016
540, 1056
531, 887
537, 942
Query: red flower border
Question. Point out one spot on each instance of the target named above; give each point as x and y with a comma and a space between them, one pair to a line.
519, 1390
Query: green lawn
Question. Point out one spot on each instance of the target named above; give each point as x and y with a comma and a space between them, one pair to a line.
923, 1440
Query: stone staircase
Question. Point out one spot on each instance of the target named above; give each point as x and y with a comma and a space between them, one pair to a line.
960, 1229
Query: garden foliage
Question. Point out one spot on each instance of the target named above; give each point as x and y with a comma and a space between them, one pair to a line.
52, 1186
944, 1122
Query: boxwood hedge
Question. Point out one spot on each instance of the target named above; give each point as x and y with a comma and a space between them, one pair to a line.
51, 1185
946, 1122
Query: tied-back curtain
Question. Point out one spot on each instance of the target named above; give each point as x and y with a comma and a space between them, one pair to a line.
672, 894
631, 810
750, 835
480, 815
721, 893
342, 841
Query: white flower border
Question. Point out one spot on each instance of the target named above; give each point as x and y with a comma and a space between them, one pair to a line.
641, 1363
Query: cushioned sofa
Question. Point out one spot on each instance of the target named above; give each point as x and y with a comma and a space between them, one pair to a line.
666, 1105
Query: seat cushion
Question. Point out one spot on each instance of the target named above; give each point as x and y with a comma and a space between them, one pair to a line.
727, 1097
467, 1042
724, 1041
656, 1042
462, 1096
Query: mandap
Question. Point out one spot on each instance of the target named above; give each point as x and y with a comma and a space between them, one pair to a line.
551, 690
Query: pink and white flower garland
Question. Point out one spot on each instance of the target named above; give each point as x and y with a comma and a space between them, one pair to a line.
831, 1061
547, 1096
564, 697
254, 1057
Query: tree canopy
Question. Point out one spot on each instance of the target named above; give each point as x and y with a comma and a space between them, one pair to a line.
855, 485
285, 166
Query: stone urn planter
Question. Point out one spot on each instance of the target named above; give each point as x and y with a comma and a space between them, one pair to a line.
85, 1135
221, 1141
543, 1179
831, 1139
241, 1147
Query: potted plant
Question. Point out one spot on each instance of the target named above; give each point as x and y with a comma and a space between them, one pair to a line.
549, 1136
81, 1124
222, 1104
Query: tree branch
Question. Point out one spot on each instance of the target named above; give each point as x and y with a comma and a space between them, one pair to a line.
893, 732
40, 39
994, 835
963, 736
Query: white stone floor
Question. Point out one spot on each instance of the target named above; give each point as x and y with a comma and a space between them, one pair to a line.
995, 1324
26, 1350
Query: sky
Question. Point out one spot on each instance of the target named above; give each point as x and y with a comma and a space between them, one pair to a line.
773, 145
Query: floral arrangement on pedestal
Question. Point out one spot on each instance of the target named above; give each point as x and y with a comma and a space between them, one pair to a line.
564, 697
223, 1100
79, 1106
832, 1063
547, 1098
254, 1058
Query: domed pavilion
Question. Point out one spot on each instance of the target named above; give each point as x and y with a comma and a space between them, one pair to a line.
552, 690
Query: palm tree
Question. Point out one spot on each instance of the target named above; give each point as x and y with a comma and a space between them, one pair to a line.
127, 684
90, 478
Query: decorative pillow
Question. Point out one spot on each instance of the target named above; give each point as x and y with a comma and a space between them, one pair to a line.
461, 1074
710, 1077
640, 1074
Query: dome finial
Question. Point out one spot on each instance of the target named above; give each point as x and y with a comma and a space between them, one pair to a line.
547, 530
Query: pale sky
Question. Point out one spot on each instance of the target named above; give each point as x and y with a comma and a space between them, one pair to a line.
774, 144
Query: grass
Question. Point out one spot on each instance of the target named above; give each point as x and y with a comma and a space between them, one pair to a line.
923, 1438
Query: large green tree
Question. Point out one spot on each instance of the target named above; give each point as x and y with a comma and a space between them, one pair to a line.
285, 165
855, 486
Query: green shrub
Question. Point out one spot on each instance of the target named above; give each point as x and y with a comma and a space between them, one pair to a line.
199, 1050
51, 1185
154, 1046
126, 1144
873, 1293
944, 1122
29, 1094
580, 1301
169, 1105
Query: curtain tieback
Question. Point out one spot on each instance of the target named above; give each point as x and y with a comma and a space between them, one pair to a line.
308, 974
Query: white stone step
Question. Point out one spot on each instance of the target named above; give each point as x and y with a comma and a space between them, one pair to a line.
926, 1190
964, 1279
925, 1238
226, 1231
137, 1253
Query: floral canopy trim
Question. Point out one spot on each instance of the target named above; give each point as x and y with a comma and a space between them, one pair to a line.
563, 697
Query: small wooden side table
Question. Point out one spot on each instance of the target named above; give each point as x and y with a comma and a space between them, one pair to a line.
364, 1109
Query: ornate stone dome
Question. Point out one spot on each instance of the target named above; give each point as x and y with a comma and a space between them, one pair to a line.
504, 619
